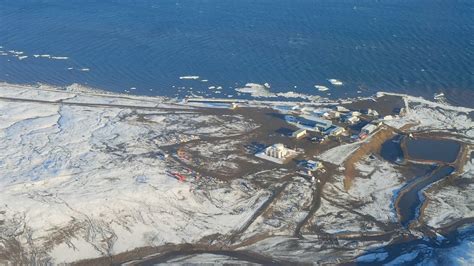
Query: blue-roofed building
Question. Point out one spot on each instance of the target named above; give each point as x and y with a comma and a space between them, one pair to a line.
315, 122
312, 123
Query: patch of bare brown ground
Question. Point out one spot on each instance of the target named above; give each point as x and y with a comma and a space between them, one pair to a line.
371, 146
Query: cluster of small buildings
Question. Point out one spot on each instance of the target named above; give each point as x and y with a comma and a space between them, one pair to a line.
280, 154
313, 123
322, 120
326, 122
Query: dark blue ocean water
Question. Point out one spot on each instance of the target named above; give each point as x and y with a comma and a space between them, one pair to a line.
414, 46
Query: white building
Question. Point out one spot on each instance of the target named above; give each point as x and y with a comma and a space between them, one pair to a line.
332, 114
372, 112
356, 113
277, 153
353, 119
368, 129
342, 109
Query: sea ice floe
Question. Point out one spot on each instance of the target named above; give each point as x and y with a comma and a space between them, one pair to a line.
16, 52
189, 77
321, 88
256, 90
335, 82
60, 57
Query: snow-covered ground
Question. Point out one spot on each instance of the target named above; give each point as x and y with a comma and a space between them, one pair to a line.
431, 116
82, 175
367, 203
82, 181
452, 202
286, 211
339, 154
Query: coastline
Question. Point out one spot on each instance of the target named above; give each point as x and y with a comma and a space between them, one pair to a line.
153, 112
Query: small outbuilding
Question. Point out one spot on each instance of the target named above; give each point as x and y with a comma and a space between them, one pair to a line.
368, 129
299, 133
342, 109
311, 165
353, 119
335, 131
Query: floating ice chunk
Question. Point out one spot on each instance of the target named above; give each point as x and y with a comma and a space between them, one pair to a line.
321, 88
16, 52
335, 82
204, 80
267, 85
211, 87
291, 94
219, 88
84, 69
438, 96
189, 77
70, 68
60, 57
36, 55
133, 88
45, 56
256, 90
22, 57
